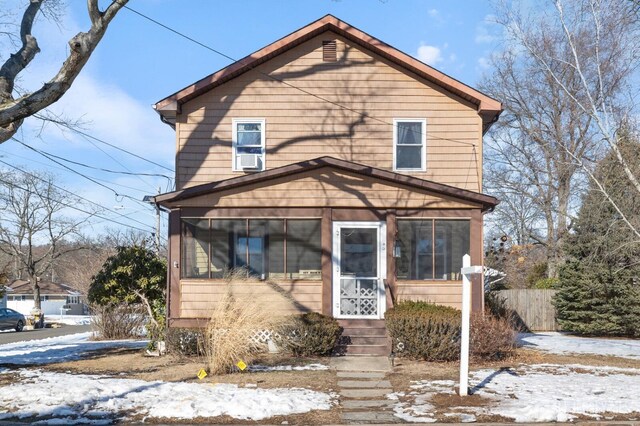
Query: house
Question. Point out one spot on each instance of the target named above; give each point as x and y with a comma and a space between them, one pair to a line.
53, 297
341, 168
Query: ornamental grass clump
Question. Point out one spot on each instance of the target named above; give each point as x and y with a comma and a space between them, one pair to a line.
247, 307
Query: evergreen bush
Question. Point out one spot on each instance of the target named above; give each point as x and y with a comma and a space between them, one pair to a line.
310, 334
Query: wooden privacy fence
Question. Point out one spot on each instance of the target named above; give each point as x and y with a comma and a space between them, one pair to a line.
533, 306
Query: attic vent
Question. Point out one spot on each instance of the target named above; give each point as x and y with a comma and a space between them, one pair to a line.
329, 51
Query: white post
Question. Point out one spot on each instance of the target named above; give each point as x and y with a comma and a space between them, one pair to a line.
466, 271
464, 340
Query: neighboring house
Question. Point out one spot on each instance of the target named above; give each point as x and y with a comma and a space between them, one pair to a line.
346, 171
53, 296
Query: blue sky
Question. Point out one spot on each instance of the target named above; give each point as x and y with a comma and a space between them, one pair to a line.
139, 63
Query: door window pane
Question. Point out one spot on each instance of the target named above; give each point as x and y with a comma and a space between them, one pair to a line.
359, 252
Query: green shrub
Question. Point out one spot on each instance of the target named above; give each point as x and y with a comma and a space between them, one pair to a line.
310, 334
431, 332
546, 283
424, 331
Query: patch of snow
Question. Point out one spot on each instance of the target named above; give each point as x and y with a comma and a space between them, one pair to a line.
69, 319
419, 409
562, 344
535, 393
67, 398
59, 349
312, 367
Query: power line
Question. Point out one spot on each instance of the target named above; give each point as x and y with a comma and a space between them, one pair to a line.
73, 194
91, 214
117, 194
60, 168
89, 136
321, 98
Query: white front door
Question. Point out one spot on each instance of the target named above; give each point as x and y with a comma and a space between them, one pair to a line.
359, 269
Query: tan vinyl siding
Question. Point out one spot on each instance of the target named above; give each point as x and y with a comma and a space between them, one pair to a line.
321, 188
198, 297
444, 293
302, 127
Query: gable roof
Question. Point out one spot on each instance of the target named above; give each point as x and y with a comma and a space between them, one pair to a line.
488, 202
46, 288
488, 108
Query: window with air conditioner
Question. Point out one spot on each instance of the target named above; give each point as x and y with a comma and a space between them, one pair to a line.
248, 145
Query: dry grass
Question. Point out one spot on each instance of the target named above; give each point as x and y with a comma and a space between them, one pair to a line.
235, 319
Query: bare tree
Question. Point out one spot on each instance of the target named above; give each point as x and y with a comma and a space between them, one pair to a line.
564, 77
13, 110
33, 228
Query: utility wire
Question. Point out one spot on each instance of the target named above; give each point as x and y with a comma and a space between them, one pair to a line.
60, 168
73, 194
89, 136
12, 184
321, 98
117, 194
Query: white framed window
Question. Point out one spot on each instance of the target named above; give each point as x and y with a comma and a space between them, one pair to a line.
409, 144
248, 144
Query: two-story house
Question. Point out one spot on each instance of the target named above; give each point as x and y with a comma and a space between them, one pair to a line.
333, 164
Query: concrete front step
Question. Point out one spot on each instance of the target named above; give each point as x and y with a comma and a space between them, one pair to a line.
364, 384
368, 416
364, 331
361, 323
364, 350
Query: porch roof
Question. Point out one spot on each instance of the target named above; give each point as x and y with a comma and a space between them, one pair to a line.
486, 201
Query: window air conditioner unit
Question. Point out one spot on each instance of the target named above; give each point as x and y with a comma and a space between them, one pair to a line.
249, 161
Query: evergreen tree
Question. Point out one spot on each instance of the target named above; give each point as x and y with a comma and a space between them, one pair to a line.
599, 287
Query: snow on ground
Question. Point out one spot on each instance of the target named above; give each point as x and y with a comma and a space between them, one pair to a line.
561, 344
58, 349
69, 319
67, 398
312, 367
535, 393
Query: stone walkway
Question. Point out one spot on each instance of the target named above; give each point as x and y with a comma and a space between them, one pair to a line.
362, 387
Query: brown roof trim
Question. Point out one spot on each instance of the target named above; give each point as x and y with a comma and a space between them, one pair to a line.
488, 202
488, 108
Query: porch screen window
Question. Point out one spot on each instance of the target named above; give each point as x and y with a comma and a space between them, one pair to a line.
432, 249
266, 248
248, 142
410, 144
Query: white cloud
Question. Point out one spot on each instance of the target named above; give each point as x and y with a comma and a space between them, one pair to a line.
485, 30
433, 13
429, 54
483, 63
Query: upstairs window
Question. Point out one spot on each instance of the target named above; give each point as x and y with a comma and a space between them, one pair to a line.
409, 144
248, 145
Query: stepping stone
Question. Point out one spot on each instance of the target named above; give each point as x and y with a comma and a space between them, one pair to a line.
360, 375
350, 404
369, 416
364, 393
364, 384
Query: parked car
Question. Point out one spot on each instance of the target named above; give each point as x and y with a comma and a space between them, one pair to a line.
10, 319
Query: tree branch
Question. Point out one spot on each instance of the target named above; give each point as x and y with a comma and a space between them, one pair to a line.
13, 112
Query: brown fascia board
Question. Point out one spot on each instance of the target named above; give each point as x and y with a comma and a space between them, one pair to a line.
488, 108
488, 202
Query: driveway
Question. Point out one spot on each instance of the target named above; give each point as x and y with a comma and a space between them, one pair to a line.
42, 333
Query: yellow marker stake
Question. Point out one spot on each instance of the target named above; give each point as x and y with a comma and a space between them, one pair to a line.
202, 374
241, 365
